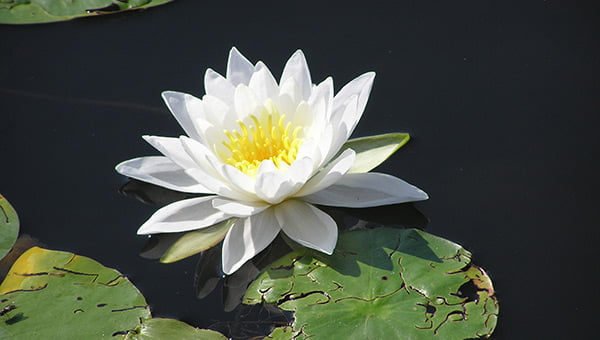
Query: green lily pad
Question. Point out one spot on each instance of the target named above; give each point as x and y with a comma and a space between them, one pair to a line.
43, 11
159, 329
374, 150
9, 226
196, 241
379, 284
58, 295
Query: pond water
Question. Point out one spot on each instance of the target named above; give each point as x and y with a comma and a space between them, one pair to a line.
501, 102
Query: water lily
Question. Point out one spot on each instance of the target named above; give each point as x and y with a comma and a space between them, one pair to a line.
265, 152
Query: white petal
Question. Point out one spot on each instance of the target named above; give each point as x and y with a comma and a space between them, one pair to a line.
186, 108
321, 100
239, 69
289, 89
297, 68
211, 134
323, 133
285, 105
263, 84
340, 131
273, 185
307, 225
163, 172
245, 101
216, 85
303, 116
330, 174
300, 170
248, 237
206, 171
238, 178
234, 179
237, 208
367, 190
218, 187
217, 113
361, 87
172, 148
310, 149
198, 153
190, 214
266, 166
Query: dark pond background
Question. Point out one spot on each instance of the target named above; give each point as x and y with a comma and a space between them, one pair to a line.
501, 99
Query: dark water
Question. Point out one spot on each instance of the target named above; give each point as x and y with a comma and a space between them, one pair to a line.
501, 101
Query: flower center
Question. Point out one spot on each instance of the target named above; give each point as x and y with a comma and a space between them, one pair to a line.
266, 137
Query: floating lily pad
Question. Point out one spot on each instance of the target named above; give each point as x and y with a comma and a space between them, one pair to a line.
43, 11
57, 295
379, 284
160, 329
374, 150
9, 226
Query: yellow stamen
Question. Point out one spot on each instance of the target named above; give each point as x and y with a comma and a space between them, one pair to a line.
265, 138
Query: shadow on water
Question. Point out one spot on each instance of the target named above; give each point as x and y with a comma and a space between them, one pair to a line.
152, 194
403, 215
351, 250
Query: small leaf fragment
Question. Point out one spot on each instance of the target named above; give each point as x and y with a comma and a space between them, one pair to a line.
194, 242
374, 150
480, 279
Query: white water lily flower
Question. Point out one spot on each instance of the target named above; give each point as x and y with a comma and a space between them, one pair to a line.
265, 152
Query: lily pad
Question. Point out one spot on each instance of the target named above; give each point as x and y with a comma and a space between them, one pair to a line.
58, 295
374, 150
43, 11
379, 284
159, 329
196, 241
9, 227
